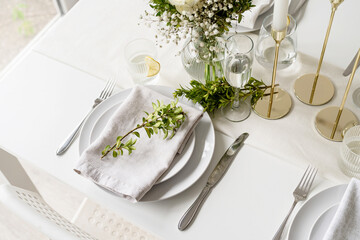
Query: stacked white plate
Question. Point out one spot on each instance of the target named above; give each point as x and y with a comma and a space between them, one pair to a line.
314, 217
187, 167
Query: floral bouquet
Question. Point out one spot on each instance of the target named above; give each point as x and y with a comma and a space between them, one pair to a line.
202, 22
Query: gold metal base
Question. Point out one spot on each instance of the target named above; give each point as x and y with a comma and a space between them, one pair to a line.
324, 90
280, 107
326, 118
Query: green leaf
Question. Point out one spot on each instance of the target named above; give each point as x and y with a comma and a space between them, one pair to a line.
115, 154
158, 124
148, 132
178, 117
151, 131
137, 134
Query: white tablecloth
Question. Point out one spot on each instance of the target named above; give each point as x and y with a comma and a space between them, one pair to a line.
40, 105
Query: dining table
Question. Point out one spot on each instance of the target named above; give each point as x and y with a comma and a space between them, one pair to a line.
52, 86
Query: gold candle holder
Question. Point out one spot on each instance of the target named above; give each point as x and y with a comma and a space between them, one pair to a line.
344, 118
274, 106
316, 89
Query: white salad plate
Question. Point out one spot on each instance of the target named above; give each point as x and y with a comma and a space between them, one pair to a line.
322, 223
309, 215
191, 167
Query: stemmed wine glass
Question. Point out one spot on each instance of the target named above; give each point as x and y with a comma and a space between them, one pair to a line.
238, 62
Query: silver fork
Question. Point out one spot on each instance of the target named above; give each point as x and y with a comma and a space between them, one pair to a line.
105, 93
300, 194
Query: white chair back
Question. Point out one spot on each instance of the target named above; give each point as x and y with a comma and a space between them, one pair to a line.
20, 196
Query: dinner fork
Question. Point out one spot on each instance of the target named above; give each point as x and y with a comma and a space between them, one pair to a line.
105, 93
300, 194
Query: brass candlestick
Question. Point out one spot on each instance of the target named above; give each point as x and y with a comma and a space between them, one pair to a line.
278, 105
315, 89
343, 117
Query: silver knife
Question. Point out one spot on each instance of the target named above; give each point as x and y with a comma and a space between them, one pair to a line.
349, 68
213, 179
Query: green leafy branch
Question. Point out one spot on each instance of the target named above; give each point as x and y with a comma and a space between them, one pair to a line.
218, 93
165, 118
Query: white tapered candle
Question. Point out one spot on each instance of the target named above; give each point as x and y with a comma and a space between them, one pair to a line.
280, 15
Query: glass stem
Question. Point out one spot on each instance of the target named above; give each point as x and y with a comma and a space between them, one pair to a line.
236, 102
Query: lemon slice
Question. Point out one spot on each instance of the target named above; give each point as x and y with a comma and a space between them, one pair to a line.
153, 66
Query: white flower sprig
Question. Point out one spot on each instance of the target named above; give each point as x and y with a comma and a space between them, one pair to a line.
176, 19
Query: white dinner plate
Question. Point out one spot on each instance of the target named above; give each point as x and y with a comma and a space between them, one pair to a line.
189, 174
322, 223
312, 209
177, 164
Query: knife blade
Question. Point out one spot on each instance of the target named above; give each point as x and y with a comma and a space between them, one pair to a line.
349, 68
215, 176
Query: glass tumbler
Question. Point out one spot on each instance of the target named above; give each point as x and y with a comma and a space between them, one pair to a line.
238, 66
136, 51
350, 152
265, 46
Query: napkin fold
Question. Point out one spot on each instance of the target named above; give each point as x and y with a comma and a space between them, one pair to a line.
131, 176
250, 17
346, 223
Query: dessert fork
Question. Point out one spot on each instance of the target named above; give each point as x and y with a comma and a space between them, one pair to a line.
105, 93
300, 194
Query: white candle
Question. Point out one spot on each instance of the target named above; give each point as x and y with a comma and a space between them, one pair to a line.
280, 14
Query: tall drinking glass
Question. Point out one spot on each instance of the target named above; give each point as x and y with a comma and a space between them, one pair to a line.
238, 62
350, 152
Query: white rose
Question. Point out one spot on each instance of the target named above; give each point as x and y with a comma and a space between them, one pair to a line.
177, 2
185, 5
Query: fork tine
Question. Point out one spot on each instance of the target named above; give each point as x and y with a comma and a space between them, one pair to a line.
308, 177
103, 92
311, 180
111, 88
302, 179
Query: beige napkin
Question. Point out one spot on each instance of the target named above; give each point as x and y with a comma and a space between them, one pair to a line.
346, 223
250, 17
131, 176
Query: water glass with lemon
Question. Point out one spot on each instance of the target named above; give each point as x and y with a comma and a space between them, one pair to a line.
141, 57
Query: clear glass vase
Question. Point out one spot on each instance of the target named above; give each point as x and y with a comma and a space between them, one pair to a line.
265, 46
202, 59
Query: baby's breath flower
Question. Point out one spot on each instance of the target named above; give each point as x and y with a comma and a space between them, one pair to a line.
180, 19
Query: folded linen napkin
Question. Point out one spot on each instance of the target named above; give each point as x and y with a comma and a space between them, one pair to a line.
250, 17
346, 223
131, 176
